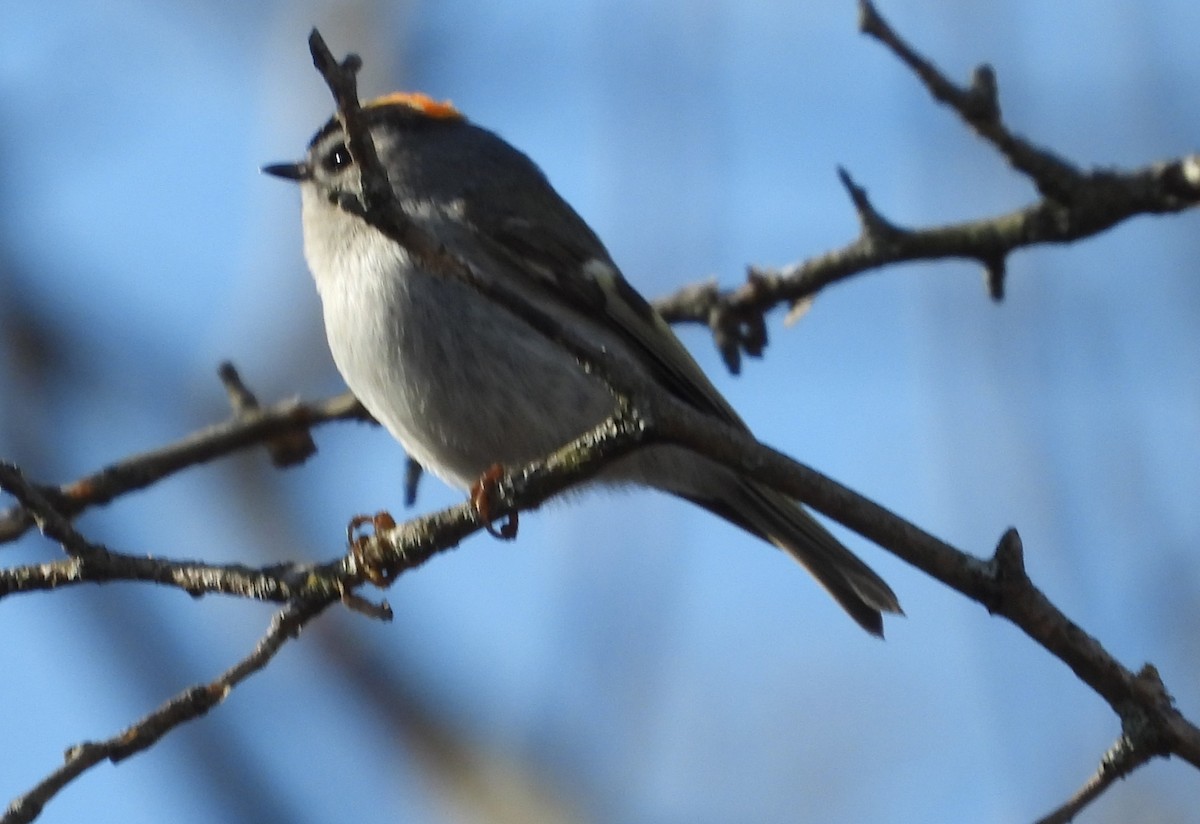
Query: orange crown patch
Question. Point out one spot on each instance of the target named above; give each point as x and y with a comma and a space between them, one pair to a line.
423, 103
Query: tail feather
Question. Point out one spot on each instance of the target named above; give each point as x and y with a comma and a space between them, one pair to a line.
775, 518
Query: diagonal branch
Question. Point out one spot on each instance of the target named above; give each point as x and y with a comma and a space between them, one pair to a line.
186, 706
87, 562
246, 429
979, 106
1122, 758
1074, 204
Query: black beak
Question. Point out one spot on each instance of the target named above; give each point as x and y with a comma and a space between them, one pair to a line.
289, 171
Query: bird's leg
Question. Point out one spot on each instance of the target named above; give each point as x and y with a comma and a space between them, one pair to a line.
481, 496
359, 544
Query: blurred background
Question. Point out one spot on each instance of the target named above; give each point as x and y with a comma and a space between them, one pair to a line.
629, 658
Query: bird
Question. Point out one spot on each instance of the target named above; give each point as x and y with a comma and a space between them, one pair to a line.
462, 381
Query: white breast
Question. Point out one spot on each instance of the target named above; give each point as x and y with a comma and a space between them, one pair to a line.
460, 382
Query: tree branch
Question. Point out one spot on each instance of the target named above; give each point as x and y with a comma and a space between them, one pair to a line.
288, 448
248, 428
1074, 204
1122, 759
187, 705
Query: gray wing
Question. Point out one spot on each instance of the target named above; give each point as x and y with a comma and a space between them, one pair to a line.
567, 262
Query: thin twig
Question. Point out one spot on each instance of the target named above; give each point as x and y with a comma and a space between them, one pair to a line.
140, 471
43, 510
1122, 759
187, 705
287, 449
979, 106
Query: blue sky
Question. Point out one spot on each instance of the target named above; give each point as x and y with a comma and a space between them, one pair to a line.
632, 658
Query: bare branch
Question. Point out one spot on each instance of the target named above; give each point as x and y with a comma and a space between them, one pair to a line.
187, 705
43, 511
248, 429
1103, 199
1118, 762
288, 449
1074, 204
979, 106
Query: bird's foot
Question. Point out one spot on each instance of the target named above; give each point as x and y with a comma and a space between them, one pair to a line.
360, 545
481, 498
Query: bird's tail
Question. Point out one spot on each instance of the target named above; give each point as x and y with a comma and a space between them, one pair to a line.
776, 518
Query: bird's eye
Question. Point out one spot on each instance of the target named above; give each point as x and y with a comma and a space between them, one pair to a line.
336, 158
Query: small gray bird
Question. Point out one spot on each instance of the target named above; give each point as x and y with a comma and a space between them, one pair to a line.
461, 381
